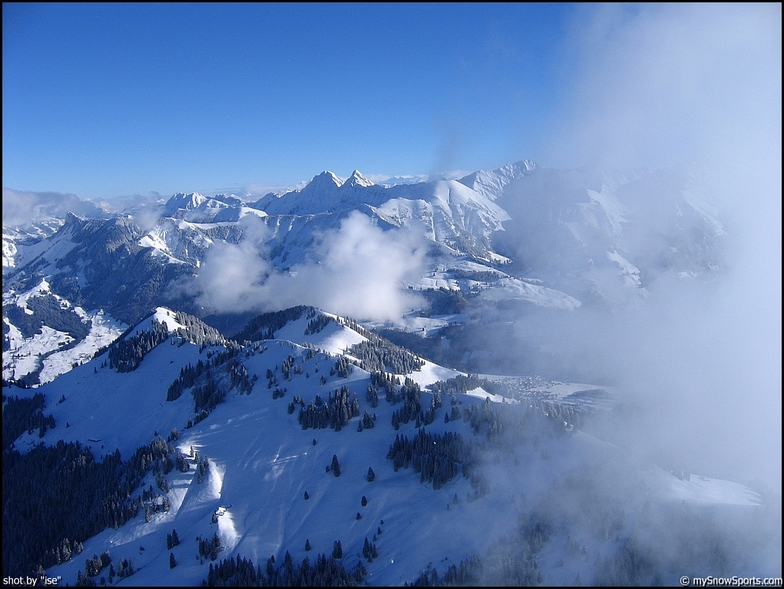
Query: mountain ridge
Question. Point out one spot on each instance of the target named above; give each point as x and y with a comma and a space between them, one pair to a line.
580, 233
254, 474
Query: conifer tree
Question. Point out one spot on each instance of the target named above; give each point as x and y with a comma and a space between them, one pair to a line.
335, 465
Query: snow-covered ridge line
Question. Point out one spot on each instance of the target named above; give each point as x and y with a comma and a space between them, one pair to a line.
266, 491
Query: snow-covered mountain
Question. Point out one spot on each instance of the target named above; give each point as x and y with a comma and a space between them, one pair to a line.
187, 397
314, 452
47, 337
531, 236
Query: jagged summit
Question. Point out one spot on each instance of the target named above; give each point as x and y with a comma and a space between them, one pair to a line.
182, 200
580, 232
328, 180
357, 179
324, 180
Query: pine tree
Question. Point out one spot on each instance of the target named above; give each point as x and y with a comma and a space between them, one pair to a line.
307, 545
172, 562
335, 465
371, 476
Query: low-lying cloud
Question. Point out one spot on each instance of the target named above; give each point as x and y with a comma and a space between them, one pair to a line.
22, 207
357, 270
663, 85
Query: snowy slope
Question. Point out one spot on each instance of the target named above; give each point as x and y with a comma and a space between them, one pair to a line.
51, 351
491, 183
261, 464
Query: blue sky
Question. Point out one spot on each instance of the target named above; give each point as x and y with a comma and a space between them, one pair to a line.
118, 99
111, 99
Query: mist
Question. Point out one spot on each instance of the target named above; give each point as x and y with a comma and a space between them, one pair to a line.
21, 207
694, 362
699, 363
357, 270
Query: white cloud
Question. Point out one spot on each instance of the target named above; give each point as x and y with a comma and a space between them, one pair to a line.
658, 85
661, 84
22, 207
358, 270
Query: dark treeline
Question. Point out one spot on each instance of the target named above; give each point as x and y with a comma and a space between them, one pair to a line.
378, 354
265, 325
47, 311
462, 384
409, 394
95, 565
368, 422
335, 413
186, 379
375, 354
290, 366
509, 562
561, 414
56, 497
212, 380
318, 323
394, 392
343, 367
196, 331
412, 408
354, 326
324, 572
126, 354
477, 275
444, 301
467, 573
516, 424
25, 414
209, 548
386, 382
439, 458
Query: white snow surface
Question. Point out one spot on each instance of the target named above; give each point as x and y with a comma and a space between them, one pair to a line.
628, 271
23, 355
491, 184
9, 252
161, 315
262, 462
43, 349
104, 330
513, 288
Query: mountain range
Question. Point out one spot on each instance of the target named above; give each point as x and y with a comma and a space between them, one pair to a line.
517, 236
356, 383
